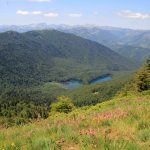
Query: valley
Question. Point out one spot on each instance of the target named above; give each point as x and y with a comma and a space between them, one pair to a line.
38, 66
53, 84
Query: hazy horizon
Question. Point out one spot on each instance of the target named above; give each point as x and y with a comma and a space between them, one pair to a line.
74, 25
123, 14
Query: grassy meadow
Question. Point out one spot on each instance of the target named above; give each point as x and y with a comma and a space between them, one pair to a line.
119, 124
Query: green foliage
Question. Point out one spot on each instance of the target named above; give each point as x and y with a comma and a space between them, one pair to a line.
142, 79
64, 105
140, 83
20, 112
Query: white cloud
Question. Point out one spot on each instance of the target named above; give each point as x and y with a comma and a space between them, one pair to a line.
51, 14
46, 14
20, 12
133, 15
76, 15
36, 12
40, 0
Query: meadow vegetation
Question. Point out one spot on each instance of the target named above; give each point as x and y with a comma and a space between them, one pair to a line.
122, 123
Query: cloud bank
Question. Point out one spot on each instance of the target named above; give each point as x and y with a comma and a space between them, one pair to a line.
133, 15
46, 14
20, 12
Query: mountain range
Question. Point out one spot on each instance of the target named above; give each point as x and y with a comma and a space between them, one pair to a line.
133, 44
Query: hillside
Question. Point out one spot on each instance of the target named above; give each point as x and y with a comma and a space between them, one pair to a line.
137, 54
142, 39
35, 57
123, 123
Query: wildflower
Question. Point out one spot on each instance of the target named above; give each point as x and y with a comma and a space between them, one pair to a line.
83, 117
91, 132
139, 108
13, 144
81, 132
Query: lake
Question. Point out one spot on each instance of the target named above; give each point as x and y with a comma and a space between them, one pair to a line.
72, 84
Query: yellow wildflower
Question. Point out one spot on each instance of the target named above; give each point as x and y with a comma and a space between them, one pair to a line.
13, 144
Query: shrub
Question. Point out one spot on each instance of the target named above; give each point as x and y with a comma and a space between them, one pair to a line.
64, 104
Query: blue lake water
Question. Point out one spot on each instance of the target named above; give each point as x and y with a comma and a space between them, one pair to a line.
72, 84
101, 79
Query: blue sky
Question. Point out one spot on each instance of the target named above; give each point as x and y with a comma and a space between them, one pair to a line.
119, 13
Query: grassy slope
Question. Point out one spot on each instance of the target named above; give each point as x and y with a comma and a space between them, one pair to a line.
123, 123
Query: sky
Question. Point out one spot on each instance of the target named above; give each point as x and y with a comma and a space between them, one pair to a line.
117, 13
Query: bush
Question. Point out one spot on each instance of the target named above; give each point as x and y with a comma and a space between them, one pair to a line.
64, 104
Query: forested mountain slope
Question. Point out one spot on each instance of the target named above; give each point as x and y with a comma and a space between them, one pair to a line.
133, 44
41, 56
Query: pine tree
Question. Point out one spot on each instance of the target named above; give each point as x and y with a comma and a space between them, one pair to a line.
142, 78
